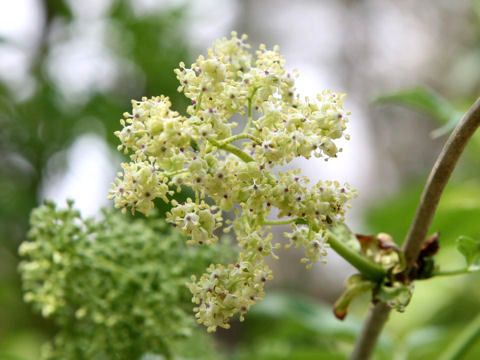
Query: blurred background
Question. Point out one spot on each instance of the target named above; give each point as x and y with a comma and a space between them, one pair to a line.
68, 70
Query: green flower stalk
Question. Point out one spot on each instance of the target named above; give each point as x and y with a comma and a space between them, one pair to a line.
115, 287
229, 169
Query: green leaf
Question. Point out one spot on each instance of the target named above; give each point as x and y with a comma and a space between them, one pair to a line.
396, 296
346, 236
469, 248
356, 285
428, 102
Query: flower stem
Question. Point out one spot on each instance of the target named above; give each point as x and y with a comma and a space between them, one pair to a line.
173, 173
369, 269
238, 137
249, 114
279, 222
232, 149
249, 118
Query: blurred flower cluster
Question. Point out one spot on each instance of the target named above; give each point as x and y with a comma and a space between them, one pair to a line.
115, 287
234, 169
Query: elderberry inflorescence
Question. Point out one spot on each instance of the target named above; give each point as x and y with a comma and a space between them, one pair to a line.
114, 287
234, 169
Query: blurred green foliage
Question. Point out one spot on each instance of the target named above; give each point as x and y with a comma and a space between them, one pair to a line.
429, 102
115, 287
34, 128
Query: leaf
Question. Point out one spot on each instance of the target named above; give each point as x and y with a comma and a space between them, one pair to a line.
396, 296
346, 236
356, 285
469, 248
428, 102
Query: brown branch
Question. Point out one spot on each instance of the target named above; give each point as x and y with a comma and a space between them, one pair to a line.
432, 192
372, 327
437, 181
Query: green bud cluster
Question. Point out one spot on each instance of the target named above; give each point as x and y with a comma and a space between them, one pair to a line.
115, 287
235, 169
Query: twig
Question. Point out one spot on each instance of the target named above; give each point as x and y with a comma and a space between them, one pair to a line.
437, 180
468, 270
432, 192
372, 328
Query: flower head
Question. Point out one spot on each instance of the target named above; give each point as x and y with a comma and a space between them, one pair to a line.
96, 279
229, 164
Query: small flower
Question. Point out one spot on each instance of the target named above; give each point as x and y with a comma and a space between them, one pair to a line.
190, 221
199, 221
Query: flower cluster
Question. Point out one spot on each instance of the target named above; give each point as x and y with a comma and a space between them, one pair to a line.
196, 220
114, 287
224, 291
315, 243
234, 168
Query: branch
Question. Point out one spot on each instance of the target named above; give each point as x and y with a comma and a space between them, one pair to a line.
468, 270
436, 182
432, 192
371, 330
